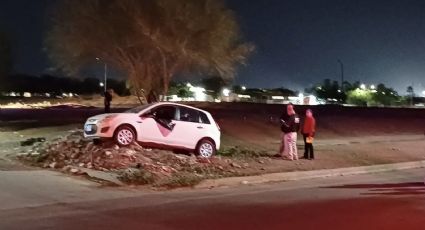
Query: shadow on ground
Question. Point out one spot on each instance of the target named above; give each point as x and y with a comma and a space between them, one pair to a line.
408, 188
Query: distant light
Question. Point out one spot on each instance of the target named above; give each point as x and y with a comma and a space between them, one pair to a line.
199, 93
312, 100
339, 91
226, 92
363, 86
173, 98
372, 87
244, 96
243, 88
383, 93
97, 59
101, 84
278, 97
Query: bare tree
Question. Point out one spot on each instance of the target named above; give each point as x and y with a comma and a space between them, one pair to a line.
151, 40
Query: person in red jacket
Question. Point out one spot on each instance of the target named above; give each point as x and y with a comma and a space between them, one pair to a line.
308, 131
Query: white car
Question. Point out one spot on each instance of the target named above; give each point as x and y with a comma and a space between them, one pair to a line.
159, 125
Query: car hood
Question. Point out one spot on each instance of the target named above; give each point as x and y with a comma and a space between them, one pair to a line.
103, 116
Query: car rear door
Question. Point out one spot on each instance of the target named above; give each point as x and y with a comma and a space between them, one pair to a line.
188, 129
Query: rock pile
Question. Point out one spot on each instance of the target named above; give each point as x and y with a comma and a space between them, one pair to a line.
73, 153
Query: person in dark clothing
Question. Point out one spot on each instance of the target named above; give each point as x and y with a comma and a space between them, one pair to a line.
290, 127
308, 131
152, 98
107, 100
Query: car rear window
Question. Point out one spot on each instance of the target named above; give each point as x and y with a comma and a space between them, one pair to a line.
189, 115
204, 118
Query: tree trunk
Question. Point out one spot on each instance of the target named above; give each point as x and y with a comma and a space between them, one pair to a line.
165, 73
139, 97
135, 81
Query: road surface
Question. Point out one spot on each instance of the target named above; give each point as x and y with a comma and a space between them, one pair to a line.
48, 200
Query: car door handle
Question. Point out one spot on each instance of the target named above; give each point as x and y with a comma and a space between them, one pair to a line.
200, 127
140, 122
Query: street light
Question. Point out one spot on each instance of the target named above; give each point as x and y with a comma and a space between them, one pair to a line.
105, 72
226, 92
363, 86
372, 87
342, 74
243, 88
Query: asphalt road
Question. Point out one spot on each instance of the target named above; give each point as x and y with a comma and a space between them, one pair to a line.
47, 200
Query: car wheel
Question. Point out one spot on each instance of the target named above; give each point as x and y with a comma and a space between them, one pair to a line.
205, 149
124, 135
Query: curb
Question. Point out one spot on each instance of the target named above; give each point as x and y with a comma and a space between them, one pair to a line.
303, 175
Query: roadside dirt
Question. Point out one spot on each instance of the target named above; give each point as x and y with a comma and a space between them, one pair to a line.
248, 159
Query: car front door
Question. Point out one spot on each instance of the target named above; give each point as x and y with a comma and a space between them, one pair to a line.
157, 124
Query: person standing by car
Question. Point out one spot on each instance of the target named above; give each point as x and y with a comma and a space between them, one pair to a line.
152, 98
308, 131
290, 127
107, 100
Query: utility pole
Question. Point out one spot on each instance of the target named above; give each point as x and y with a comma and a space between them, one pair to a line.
105, 73
412, 92
342, 75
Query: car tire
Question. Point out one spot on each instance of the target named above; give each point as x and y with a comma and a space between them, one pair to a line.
124, 135
205, 148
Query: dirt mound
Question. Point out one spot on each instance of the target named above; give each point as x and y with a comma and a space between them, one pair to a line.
134, 165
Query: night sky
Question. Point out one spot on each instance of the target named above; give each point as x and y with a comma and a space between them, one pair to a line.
298, 42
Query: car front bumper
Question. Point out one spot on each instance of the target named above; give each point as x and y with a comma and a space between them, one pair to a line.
94, 131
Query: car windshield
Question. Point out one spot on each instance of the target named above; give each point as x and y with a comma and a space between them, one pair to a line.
138, 109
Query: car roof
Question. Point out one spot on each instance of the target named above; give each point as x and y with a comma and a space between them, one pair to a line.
178, 104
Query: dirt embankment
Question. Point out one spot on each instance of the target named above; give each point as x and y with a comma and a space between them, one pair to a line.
259, 122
